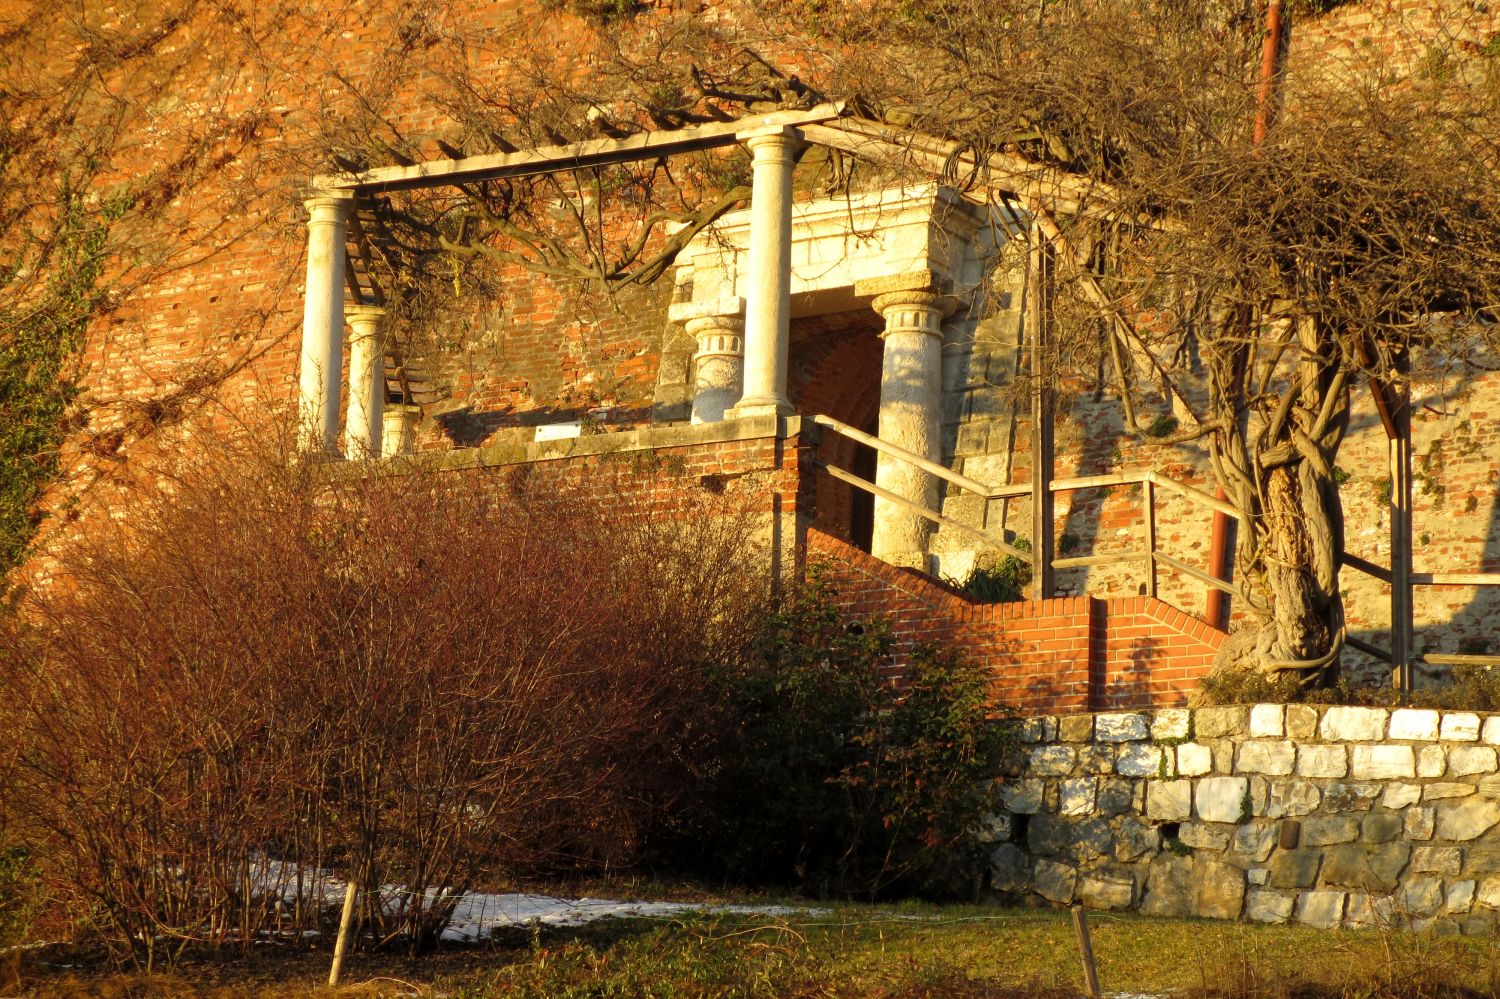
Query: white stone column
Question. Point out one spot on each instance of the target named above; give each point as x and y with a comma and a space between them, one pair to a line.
911, 392
718, 365
768, 279
323, 322
364, 415
399, 435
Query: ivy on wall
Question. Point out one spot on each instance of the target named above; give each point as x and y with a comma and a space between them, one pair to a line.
39, 337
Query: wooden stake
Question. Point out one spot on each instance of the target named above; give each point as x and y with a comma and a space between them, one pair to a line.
1086, 949
346, 923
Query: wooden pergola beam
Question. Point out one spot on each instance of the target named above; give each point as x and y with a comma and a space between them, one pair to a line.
578, 155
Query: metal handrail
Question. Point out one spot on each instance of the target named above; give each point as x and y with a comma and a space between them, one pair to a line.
925, 464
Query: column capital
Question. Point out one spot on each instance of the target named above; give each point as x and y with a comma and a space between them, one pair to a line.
772, 135
717, 335
365, 320
328, 206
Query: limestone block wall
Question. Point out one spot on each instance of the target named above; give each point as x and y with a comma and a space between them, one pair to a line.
1326, 816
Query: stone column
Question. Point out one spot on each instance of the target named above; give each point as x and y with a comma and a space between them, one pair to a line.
911, 394
768, 278
323, 322
718, 365
362, 419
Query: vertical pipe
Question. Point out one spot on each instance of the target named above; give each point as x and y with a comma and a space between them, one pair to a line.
1039, 284
1401, 558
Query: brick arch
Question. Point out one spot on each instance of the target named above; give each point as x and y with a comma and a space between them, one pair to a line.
835, 370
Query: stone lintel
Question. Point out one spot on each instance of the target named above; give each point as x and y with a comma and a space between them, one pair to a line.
912, 281
681, 312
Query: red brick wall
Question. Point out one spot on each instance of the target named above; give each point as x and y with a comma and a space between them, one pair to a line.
1067, 654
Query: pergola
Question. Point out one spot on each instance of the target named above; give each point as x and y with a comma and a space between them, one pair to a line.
753, 382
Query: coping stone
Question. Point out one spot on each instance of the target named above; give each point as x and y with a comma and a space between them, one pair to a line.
1121, 727
1267, 721
1343, 723
1414, 724
1460, 726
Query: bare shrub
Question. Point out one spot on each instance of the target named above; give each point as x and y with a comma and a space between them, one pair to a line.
277, 668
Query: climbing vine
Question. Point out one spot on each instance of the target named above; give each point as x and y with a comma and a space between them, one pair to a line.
38, 341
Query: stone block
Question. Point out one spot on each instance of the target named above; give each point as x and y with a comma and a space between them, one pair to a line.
1460, 726
1022, 797
1322, 910
1134, 839
1323, 761
1399, 795
1223, 753
1275, 757
1169, 800
1382, 762
1257, 876
1268, 907
1260, 793
1492, 730
1054, 881
1350, 797
1479, 923
1364, 911
1253, 842
1467, 819
1222, 721
1171, 723
1052, 761
1432, 761
1418, 823
1169, 887
1436, 859
1101, 891
1466, 760
1350, 724
1359, 865
1218, 889
1076, 797
1222, 799
1042, 729
1075, 728
1267, 721
1420, 896
1140, 760
1291, 796
1295, 868
1481, 859
1458, 899
1489, 893
1121, 727
1325, 830
1115, 795
1096, 758
1194, 759
1380, 827
1414, 725
996, 828
1301, 721
1204, 836
1010, 869
1446, 789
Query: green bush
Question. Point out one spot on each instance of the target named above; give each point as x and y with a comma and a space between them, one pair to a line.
837, 775
1002, 583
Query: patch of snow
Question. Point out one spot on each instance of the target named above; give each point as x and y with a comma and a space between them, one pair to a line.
478, 915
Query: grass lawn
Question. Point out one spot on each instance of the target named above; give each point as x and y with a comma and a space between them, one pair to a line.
849, 952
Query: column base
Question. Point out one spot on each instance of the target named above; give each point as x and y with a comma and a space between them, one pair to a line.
759, 407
